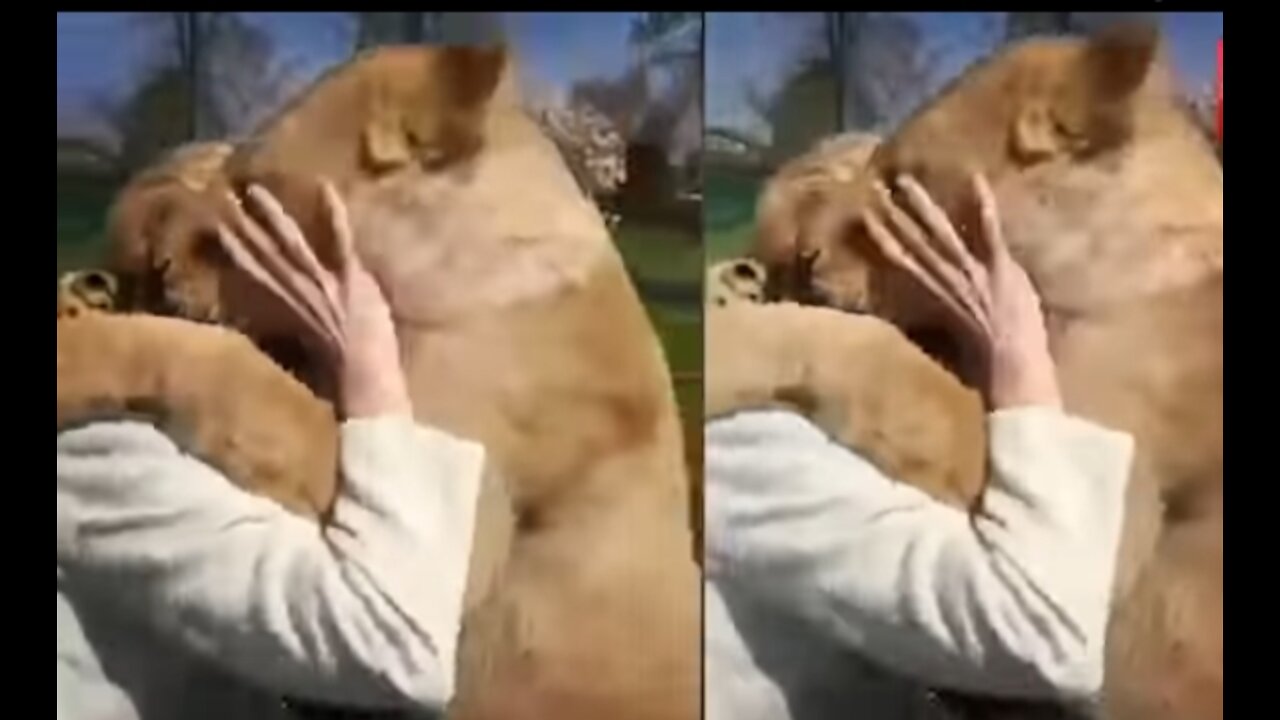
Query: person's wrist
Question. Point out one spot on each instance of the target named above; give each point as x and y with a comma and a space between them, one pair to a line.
1020, 379
368, 393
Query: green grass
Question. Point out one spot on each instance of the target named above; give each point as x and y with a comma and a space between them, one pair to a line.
726, 243
681, 337
82, 209
681, 334
660, 254
669, 256
729, 213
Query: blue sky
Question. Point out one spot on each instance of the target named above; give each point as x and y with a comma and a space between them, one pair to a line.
100, 53
754, 48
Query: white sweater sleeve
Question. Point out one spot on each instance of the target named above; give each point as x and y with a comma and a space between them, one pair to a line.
364, 613
1013, 603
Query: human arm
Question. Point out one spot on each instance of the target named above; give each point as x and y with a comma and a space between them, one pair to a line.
365, 610
362, 613
993, 306
1011, 603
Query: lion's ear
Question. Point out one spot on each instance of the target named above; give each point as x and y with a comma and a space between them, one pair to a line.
471, 74
1118, 60
1093, 108
1100, 105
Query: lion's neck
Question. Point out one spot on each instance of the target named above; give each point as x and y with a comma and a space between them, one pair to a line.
506, 228
1146, 221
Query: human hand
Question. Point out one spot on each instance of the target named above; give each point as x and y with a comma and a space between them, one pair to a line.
344, 312
990, 296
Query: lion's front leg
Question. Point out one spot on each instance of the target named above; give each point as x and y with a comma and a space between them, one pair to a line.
858, 379
211, 391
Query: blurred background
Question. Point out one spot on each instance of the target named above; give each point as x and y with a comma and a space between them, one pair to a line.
626, 86
777, 82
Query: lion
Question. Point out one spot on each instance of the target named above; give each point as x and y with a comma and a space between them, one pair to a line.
519, 328
826, 365
1112, 201
270, 432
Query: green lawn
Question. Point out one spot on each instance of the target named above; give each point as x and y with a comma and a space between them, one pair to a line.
660, 254
672, 258
681, 336
729, 213
726, 243
82, 210
668, 258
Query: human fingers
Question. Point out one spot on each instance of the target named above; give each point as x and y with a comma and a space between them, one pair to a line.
976, 324
304, 297
943, 230
363, 293
917, 244
245, 260
298, 252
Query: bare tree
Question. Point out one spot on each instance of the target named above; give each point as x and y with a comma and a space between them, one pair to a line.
860, 71
1026, 24
799, 112
623, 100
1020, 25
245, 79
177, 41
209, 75
670, 44
882, 66
155, 116
390, 28
470, 28
656, 103
412, 28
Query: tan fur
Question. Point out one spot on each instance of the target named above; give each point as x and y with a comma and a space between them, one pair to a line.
1113, 202
520, 329
245, 416
791, 195
919, 427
